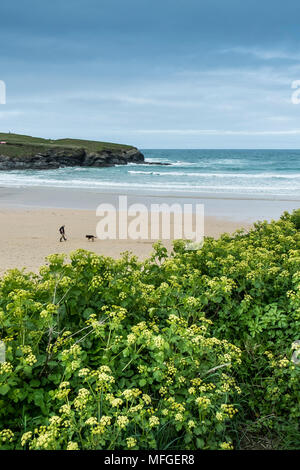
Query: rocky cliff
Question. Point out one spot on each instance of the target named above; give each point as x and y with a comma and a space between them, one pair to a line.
56, 157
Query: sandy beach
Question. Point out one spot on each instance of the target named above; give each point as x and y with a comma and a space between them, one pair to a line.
27, 236
30, 219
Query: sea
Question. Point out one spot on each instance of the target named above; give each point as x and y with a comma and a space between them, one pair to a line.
253, 173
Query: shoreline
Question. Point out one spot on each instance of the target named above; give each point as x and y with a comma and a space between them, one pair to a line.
157, 194
241, 208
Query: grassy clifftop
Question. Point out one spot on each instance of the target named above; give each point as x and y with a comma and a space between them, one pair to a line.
23, 145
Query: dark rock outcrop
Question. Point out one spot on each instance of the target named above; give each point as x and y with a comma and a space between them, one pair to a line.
65, 157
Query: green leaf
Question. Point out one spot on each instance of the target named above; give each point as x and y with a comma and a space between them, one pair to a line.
199, 443
38, 397
4, 389
34, 383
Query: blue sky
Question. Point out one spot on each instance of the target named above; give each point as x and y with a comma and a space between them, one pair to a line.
156, 74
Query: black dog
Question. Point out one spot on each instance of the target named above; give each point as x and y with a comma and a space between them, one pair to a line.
90, 237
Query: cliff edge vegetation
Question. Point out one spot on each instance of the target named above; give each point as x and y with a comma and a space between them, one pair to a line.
26, 152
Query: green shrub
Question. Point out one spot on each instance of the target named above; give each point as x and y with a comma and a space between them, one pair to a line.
190, 350
296, 218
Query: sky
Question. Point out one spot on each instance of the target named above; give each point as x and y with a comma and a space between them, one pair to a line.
153, 73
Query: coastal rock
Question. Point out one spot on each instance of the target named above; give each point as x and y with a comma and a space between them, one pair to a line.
65, 157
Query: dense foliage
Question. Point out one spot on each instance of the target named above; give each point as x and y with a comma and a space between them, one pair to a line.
192, 350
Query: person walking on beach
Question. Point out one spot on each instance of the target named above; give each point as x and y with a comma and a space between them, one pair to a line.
62, 233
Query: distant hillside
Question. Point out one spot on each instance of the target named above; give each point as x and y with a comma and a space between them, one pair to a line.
26, 152
20, 144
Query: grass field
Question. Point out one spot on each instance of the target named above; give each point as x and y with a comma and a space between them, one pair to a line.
24, 145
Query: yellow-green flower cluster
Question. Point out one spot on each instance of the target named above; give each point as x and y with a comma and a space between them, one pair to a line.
131, 339
191, 424
228, 410
226, 446
85, 372
153, 421
65, 410
82, 398
6, 368
283, 362
146, 398
25, 437
116, 402
28, 358
103, 377
117, 314
203, 402
72, 446
131, 394
122, 421
92, 421
72, 353
6, 435
131, 442
63, 391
